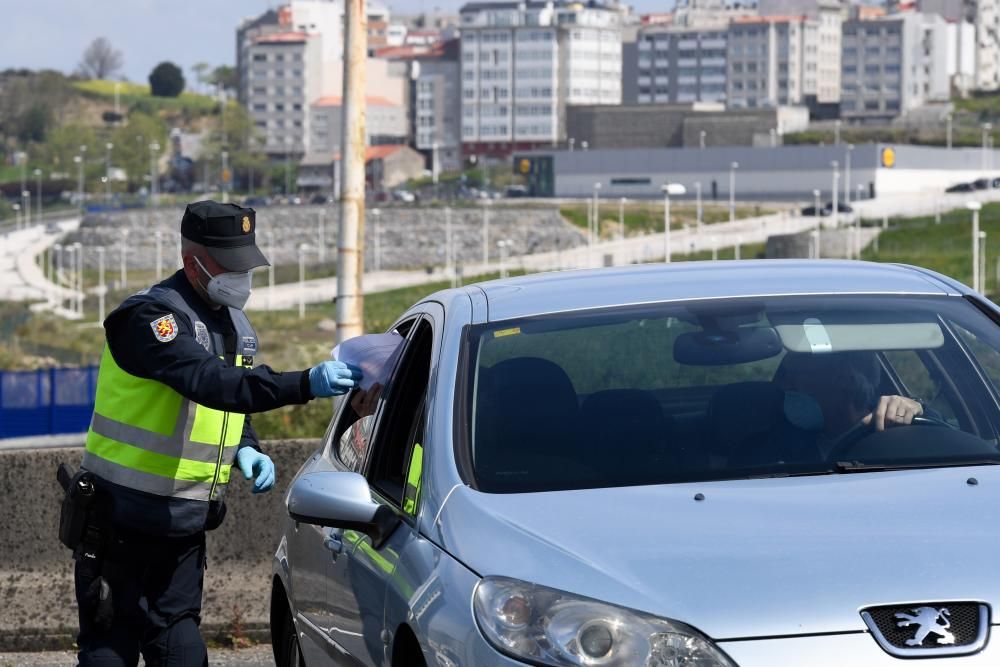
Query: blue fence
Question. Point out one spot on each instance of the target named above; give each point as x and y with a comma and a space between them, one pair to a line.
52, 400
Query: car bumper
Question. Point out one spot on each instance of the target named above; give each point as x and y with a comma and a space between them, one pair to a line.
835, 651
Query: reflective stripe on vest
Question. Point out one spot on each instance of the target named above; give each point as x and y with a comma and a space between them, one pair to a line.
412, 492
146, 436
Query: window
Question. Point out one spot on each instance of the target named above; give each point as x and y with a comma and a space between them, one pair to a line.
260, 57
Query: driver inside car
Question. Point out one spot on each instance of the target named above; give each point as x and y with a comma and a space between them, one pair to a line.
844, 386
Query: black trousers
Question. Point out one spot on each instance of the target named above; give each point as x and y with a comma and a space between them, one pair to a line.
156, 588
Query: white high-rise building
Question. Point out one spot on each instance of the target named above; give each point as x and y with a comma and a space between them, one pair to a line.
768, 60
984, 15
523, 62
821, 73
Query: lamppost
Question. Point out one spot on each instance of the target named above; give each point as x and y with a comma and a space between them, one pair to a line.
123, 277
584, 144
732, 190
302, 280
107, 171
22, 160
79, 178
572, 141
701, 139
321, 235
847, 174
154, 181
948, 132
486, 233
38, 193
158, 235
816, 215
26, 206
56, 258
621, 219
79, 278
987, 127
595, 230
503, 246
675, 189
448, 268
774, 137
697, 210
975, 206
17, 215
377, 214
982, 260
836, 179
836, 132
101, 286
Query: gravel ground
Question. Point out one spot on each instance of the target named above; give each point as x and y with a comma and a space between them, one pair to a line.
256, 656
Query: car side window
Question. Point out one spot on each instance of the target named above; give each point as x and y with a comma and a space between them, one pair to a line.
352, 434
919, 383
397, 455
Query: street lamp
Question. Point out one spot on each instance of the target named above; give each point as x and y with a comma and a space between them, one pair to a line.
302, 280
675, 189
79, 178
378, 238
321, 235
584, 145
486, 233
38, 192
987, 127
697, 210
774, 137
732, 190
975, 206
107, 171
504, 246
948, 131
17, 215
847, 174
621, 219
836, 179
982, 259
595, 229
448, 268
26, 206
701, 139
836, 132
572, 141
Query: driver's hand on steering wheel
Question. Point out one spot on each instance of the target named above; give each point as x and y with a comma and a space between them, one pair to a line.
894, 410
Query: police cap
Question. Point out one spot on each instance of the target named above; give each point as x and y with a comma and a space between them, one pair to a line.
227, 231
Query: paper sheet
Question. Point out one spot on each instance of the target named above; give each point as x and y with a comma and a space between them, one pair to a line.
374, 354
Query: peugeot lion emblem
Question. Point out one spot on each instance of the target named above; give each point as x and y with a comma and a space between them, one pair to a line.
930, 621
929, 629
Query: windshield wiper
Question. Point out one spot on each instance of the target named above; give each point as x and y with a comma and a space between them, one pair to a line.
858, 466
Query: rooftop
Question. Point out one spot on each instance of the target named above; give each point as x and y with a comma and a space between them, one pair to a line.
371, 100
580, 290
289, 37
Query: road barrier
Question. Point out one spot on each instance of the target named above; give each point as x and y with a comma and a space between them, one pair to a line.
46, 401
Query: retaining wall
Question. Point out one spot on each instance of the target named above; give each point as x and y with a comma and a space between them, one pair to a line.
36, 571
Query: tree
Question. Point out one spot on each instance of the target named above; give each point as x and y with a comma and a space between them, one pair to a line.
166, 80
101, 60
131, 146
225, 77
201, 73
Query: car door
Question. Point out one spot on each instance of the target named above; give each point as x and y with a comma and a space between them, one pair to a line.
393, 470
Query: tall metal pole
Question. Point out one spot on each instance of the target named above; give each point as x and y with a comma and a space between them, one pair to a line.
666, 225
948, 134
101, 286
819, 224
836, 179
732, 191
154, 186
975, 248
79, 179
448, 264
350, 260
486, 233
107, 172
321, 235
38, 192
847, 174
986, 128
621, 218
302, 280
123, 277
697, 213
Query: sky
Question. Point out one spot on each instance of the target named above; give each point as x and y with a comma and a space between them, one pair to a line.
54, 33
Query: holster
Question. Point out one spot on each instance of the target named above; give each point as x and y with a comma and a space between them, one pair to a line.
85, 528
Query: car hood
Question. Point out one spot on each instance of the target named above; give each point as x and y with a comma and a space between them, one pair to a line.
754, 558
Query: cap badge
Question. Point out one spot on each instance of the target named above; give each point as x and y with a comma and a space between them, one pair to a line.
246, 224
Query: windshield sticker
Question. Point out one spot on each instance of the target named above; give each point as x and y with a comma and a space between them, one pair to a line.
817, 335
513, 331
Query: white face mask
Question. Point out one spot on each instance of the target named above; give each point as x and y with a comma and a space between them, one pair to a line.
228, 289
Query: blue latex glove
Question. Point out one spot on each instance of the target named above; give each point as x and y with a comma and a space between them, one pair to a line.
333, 378
253, 463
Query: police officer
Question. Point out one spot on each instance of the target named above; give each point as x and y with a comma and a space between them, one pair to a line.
176, 385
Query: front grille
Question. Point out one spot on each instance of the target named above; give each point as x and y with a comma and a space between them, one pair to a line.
950, 624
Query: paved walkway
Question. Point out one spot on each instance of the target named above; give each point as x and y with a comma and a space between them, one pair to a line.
21, 278
256, 656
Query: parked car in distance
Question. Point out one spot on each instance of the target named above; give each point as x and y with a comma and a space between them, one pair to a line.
516, 191
320, 199
256, 201
961, 187
404, 196
708, 491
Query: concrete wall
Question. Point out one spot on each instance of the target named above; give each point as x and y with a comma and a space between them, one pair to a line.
36, 571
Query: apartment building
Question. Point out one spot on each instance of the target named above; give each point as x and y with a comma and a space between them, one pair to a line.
768, 60
893, 64
984, 16
282, 79
523, 62
677, 65
385, 123
821, 75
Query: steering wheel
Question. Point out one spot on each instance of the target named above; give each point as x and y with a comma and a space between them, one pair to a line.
851, 436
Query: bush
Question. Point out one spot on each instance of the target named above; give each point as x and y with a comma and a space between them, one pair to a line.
166, 80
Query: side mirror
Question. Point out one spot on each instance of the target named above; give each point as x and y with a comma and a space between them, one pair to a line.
340, 500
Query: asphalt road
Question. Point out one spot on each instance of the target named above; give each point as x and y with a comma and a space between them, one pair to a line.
257, 656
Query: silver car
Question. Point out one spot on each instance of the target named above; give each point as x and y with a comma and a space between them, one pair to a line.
706, 464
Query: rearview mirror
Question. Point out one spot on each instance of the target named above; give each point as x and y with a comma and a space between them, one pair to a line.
722, 348
340, 500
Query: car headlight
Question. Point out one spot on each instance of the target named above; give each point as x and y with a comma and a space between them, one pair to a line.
550, 627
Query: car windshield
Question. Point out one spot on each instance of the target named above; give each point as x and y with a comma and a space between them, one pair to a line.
729, 389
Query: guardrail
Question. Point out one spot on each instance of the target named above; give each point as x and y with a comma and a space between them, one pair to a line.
47, 401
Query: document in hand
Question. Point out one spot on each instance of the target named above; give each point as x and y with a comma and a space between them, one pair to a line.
374, 354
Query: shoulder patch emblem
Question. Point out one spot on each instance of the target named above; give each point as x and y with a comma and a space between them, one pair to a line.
201, 335
164, 328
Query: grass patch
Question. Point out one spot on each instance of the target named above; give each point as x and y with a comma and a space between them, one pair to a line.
130, 94
647, 217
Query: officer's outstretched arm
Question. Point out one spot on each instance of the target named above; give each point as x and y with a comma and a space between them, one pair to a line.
185, 366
